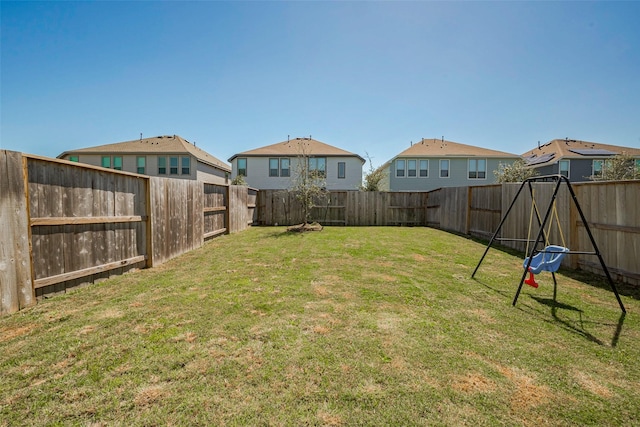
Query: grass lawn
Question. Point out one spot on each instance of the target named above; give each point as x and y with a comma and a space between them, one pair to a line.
347, 326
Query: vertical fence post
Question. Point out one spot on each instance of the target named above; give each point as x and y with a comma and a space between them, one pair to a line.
227, 210
469, 201
16, 278
148, 225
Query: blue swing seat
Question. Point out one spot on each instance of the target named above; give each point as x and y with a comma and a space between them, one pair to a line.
547, 260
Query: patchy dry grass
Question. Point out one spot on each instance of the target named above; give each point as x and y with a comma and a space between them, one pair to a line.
347, 326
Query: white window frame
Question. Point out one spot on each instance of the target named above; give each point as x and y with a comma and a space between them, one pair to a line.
314, 164
415, 168
476, 162
282, 169
560, 162
182, 165
420, 168
403, 169
448, 168
593, 167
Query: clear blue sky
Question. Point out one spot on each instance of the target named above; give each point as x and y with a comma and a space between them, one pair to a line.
368, 77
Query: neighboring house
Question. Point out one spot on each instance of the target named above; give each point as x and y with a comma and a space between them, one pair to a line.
167, 156
577, 160
436, 163
276, 166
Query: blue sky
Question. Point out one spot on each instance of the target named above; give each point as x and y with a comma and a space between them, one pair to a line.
368, 77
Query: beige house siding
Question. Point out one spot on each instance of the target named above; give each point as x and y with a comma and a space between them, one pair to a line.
211, 175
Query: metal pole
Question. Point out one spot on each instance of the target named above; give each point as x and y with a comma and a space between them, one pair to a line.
595, 246
493, 238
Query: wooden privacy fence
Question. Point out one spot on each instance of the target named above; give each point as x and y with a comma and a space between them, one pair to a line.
63, 224
611, 208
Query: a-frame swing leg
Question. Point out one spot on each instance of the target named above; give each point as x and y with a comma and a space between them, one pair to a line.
493, 238
595, 246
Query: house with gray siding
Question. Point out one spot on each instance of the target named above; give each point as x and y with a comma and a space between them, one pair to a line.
577, 160
434, 163
169, 156
276, 166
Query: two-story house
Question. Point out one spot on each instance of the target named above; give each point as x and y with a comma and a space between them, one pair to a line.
169, 156
577, 160
434, 163
276, 166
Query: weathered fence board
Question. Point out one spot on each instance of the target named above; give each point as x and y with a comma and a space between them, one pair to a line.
453, 209
613, 212
485, 210
177, 217
16, 291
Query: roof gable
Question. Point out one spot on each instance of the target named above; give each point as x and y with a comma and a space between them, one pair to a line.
434, 147
297, 147
558, 149
167, 144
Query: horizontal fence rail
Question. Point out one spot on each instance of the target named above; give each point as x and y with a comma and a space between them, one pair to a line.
65, 224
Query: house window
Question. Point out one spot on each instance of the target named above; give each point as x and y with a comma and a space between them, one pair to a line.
117, 163
342, 170
74, 159
162, 165
173, 165
274, 166
242, 167
598, 165
106, 161
318, 166
424, 168
400, 165
285, 167
412, 168
444, 168
186, 165
636, 173
141, 162
563, 167
477, 169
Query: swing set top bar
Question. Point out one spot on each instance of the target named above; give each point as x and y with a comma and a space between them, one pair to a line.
547, 178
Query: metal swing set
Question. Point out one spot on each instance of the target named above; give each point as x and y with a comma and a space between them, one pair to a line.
549, 258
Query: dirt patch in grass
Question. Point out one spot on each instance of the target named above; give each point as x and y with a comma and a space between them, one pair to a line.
592, 385
10, 333
329, 419
473, 383
150, 395
528, 394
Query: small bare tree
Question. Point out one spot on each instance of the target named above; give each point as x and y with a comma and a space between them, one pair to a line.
309, 180
374, 177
